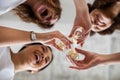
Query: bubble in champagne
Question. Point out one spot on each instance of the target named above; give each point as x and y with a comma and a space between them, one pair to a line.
61, 45
73, 54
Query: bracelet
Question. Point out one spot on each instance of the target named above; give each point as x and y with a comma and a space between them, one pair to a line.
33, 36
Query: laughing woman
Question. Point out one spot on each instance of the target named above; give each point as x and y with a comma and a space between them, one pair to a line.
104, 18
33, 57
45, 13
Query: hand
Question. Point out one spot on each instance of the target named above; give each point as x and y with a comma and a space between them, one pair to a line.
79, 22
91, 59
60, 36
82, 19
52, 42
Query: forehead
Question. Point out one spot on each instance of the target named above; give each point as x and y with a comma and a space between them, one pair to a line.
106, 12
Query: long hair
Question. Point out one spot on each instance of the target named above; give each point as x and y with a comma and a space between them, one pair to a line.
25, 12
104, 4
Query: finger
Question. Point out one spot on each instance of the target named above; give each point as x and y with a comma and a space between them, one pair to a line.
78, 68
79, 41
71, 60
66, 42
81, 51
57, 47
50, 42
73, 31
82, 44
76, 62
82, 38
88, 65
74, 67
81, 67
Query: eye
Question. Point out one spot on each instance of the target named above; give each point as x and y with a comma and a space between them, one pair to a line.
43, 49
47, 59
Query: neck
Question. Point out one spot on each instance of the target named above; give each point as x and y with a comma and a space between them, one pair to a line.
18, 62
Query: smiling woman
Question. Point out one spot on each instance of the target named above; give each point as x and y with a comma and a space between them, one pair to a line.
105, 16
102, 17
32, 57
42, 12
45, 13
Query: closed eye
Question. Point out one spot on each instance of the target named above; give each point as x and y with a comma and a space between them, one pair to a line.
47, 59
44, 49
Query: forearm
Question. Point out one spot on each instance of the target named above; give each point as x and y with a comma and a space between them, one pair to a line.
9, 36
111, 58
81, 6
82, 13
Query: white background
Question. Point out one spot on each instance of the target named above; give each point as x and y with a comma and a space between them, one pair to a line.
59, 70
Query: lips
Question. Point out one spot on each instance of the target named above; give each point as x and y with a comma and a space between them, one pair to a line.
38, 58
98, 20
43, 12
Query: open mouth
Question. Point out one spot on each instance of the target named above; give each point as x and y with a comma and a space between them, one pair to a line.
44, 13
98, 20
38, 58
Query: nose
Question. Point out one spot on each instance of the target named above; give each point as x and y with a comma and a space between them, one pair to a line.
42, 56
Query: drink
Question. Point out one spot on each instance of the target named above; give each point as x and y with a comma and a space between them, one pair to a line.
72, 53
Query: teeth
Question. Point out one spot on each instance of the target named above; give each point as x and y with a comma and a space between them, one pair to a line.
37, 58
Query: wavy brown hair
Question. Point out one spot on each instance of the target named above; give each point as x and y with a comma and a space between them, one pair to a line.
25, 12
104, 4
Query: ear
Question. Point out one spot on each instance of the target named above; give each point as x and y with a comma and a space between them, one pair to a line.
34, 71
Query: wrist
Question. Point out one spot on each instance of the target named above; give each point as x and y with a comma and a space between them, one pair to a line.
112, 58
108, 58
44, 36
102, 58
33, 36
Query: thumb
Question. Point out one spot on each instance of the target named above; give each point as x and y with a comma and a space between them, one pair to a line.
81, 51
73, 31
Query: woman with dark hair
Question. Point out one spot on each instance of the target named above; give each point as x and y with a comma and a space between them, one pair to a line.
32, 57
111, 10
104, 18
101, 17
45, 13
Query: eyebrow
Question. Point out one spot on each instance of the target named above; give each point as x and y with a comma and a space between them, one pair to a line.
43, 49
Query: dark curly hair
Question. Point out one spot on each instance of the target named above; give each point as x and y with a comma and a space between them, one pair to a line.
25, 12
104, 4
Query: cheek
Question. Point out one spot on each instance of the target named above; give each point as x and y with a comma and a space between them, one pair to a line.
39, 65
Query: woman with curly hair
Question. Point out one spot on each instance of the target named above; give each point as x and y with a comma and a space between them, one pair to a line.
45, 13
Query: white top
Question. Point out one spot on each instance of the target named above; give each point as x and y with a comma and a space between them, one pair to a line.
7, 5
6, 65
